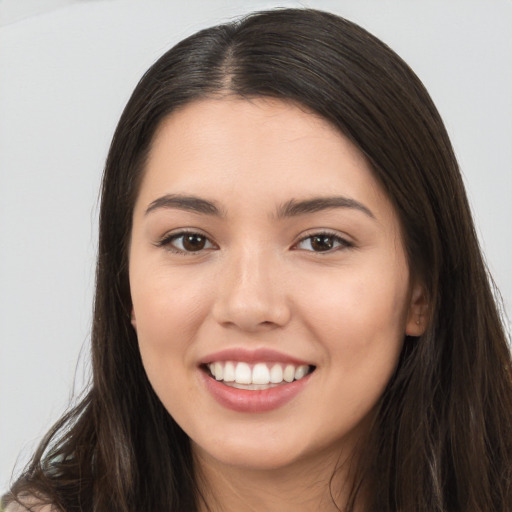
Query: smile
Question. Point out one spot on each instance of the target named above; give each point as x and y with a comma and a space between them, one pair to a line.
257, 376
255, 381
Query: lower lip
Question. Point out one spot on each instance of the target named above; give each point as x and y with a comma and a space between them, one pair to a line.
253, 401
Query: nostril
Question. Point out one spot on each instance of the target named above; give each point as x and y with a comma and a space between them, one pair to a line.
251, 304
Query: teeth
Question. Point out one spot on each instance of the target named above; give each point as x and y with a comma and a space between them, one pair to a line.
289, 373
300, 372
229, 372
259, 374
243, 374
219, 371
276, 374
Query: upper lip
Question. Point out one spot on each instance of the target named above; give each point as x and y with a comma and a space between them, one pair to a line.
260, 355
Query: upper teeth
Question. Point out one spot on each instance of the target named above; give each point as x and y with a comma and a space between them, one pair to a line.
259, 373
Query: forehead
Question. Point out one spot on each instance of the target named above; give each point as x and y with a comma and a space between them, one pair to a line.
255, 152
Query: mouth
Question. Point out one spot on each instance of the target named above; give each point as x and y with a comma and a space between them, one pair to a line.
256, 376
254, 381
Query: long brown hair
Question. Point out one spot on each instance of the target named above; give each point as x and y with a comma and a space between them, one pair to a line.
442, 439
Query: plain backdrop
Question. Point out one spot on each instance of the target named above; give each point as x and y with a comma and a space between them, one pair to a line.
66, 70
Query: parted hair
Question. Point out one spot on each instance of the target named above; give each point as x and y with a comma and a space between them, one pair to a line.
441, 439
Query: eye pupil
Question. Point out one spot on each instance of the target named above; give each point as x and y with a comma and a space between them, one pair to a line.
194, 242
322, 243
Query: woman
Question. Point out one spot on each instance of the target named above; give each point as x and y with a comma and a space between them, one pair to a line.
282, 315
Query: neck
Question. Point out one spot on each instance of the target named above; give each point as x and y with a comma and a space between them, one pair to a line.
321, 484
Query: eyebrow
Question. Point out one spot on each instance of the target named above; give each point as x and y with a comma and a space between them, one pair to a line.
187, 203
293, 207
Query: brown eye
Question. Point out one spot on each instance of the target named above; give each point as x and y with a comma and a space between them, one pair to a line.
194, 242
323, 242
186, 243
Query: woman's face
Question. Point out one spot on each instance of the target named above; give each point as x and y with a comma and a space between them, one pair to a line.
270, 288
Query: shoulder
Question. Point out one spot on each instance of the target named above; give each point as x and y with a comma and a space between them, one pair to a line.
29, 505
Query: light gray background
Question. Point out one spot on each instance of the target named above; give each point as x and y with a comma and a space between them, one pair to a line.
66, 71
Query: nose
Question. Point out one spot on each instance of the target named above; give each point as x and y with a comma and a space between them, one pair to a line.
252, 295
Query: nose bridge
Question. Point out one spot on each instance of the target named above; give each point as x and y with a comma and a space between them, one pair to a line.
251, 294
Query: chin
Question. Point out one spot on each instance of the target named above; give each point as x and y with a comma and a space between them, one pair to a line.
255, 459
260, 451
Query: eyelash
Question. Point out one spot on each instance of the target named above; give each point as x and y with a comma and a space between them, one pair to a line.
168, 240
343, 243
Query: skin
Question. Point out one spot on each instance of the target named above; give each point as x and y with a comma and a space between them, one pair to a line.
259, 283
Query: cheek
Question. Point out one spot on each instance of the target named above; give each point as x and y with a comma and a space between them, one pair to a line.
360, 322
168, 310
359, 303
166, 302
360, 327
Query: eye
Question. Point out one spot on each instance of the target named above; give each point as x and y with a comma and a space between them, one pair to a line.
323, 242
186, 242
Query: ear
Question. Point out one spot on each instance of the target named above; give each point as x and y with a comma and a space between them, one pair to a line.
133, 319
418, 315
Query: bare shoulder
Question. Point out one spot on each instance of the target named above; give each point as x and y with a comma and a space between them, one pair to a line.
29, 505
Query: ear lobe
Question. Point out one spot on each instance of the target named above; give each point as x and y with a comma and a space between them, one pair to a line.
133, 321
417, 318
